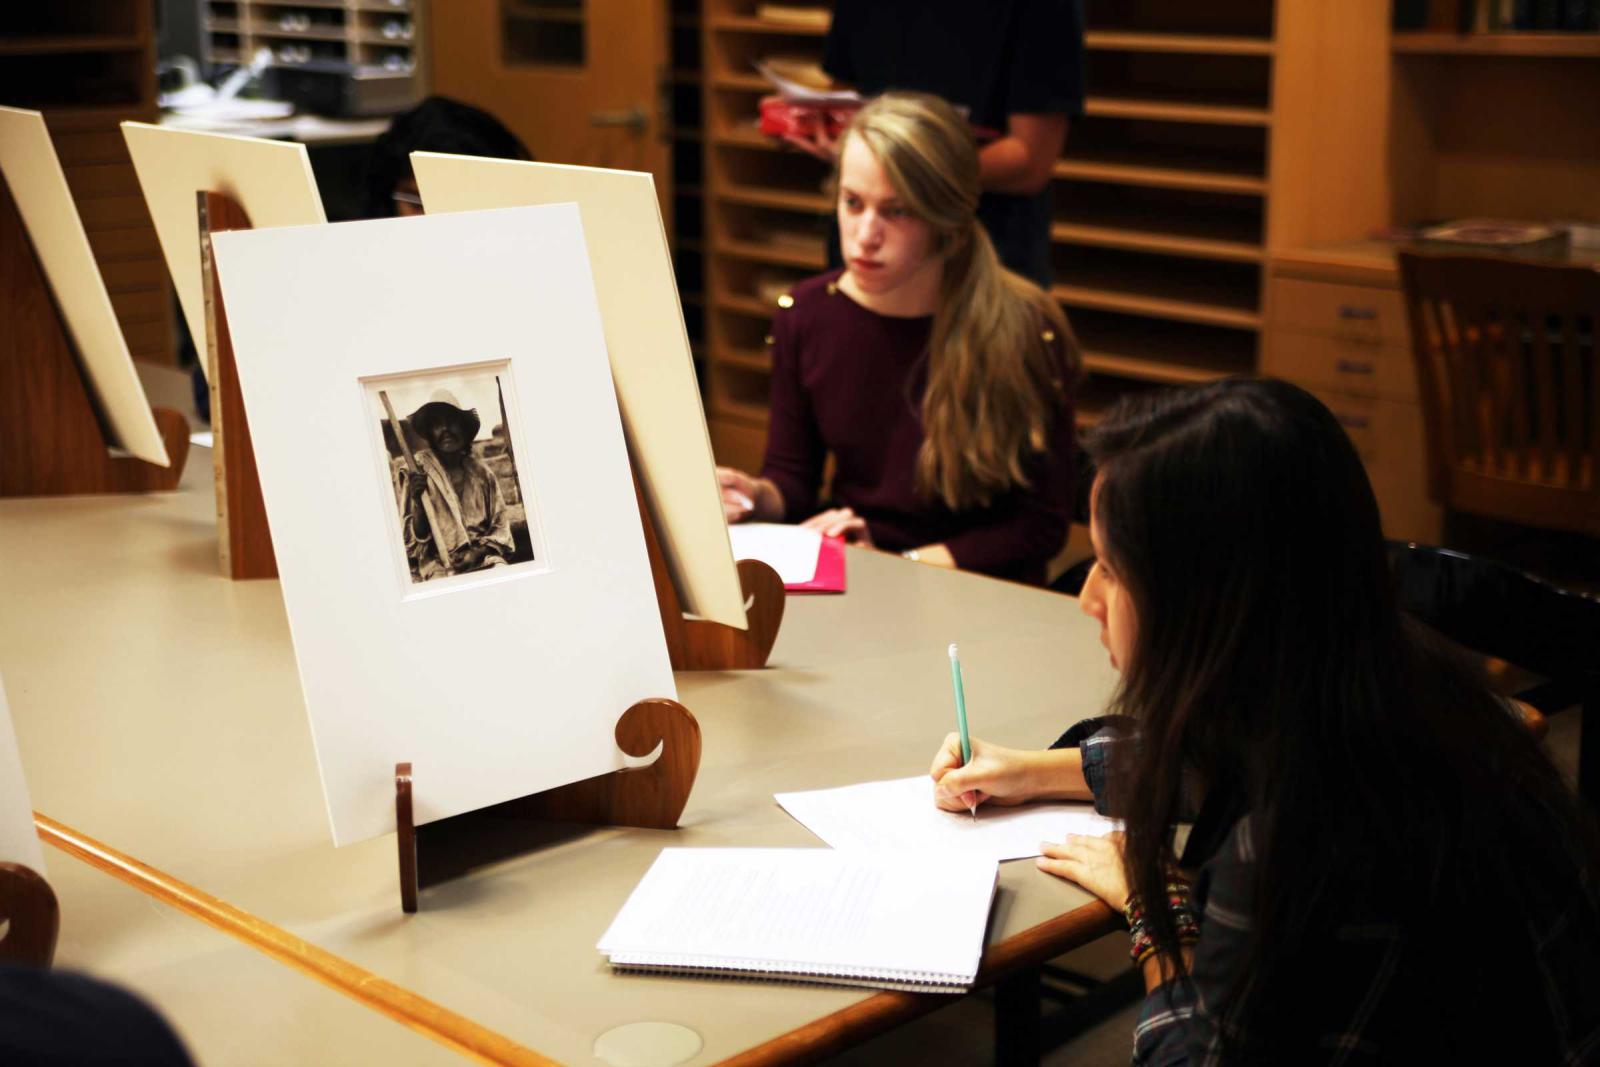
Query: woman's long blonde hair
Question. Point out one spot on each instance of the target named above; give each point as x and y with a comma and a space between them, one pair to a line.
995, 384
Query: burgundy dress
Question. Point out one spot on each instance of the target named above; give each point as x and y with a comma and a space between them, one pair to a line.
849, 381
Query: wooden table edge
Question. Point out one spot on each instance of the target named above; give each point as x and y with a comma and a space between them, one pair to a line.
883, 1011
825, 1036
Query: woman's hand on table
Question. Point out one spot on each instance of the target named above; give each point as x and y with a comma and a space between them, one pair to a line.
1095, 863
840, 522
995, 775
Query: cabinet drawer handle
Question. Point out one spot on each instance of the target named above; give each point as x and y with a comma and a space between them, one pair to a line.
1353, 422
1351, 313
1353, 366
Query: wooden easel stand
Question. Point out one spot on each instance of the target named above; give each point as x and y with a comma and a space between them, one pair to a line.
652, 797
702, 645
246, 540
51, 439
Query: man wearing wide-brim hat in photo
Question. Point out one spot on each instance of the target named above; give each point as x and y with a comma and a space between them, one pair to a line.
452, 513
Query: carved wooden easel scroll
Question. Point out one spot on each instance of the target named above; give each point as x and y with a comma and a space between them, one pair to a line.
29, 916
651, 797
699, 644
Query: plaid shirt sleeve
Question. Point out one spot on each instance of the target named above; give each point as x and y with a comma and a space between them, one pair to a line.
1368, 999
1096, 738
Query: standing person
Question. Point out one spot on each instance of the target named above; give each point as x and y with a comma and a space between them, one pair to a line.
1385, 867
939, 381
1016, 66
465, 519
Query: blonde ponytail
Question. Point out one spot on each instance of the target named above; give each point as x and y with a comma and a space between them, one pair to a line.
996, 384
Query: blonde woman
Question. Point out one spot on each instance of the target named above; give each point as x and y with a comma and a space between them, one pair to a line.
939, 381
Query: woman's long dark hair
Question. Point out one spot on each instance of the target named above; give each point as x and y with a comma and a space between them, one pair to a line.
1271, 663
437, 124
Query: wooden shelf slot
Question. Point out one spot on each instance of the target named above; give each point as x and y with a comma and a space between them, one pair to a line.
1178, 43
1144, 239
1130, 169
774, 27
1128, 106
1538, 45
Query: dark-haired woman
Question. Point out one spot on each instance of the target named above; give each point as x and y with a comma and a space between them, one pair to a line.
438, 124
939, 381
1383, 867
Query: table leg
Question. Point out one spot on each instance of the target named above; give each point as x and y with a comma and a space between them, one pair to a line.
1016, 1019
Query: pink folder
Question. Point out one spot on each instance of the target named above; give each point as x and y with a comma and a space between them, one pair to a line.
830, 570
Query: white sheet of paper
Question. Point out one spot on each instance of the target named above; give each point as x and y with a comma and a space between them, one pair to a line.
494, 683
39, 186
19, 841
790, 89
899, 815
789, 550
271, 180
648, 343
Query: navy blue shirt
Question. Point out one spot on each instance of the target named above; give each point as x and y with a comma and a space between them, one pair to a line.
996, 58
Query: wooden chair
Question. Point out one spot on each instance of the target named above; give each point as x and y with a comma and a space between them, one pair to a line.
1499, 611
1509, 382
29, 916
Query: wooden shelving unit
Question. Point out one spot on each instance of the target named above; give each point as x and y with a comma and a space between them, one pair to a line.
1213, 134
90, 66
366, 36
687, 227
765, 212
1163, 191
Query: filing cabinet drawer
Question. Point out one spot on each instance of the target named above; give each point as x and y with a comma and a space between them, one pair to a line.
1340, 365
1388, 435
1352, 312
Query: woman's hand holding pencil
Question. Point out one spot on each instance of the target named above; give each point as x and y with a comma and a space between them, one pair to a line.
1000, 775
994, 775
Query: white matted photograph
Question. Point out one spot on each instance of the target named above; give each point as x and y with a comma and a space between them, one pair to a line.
449, 455
507, 676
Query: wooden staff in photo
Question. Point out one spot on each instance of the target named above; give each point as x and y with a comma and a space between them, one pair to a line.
411, 468
511, 453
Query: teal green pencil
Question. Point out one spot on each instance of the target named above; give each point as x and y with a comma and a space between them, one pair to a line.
961, 714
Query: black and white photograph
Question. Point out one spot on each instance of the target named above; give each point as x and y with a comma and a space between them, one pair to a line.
453, 472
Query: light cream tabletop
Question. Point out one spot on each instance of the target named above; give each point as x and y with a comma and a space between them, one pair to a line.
158, 710
230, 1003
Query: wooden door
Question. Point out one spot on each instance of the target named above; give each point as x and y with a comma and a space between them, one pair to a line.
579, 81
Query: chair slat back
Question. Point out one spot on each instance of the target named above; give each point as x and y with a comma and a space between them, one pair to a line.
1509, 378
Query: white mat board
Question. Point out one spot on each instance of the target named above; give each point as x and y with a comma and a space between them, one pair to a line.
492, 684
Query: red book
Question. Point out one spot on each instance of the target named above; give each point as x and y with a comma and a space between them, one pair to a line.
830, 570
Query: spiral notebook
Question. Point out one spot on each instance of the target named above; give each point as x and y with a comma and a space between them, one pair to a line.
811, 915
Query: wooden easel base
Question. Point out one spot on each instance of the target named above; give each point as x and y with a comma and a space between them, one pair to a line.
651, 797
31, 917
702, 645
51, 443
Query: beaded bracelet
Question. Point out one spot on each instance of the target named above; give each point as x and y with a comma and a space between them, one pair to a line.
1142, 946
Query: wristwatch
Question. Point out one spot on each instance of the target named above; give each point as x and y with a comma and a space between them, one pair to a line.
911, 554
